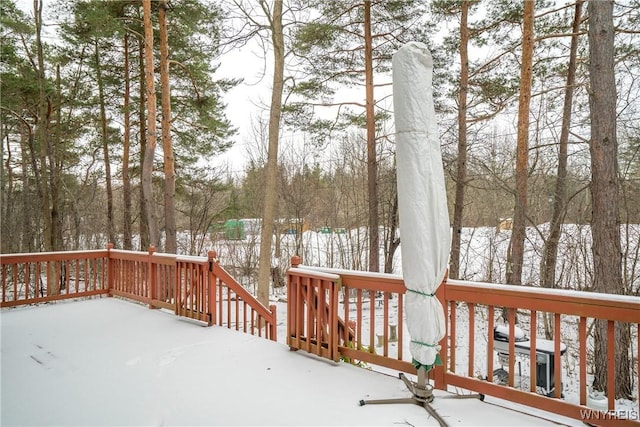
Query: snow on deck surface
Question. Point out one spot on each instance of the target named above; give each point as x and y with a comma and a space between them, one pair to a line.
111, 362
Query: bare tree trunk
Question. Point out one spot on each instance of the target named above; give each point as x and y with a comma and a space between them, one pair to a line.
461, 162
550, 249
516, 253
7, 197
271, 191
605, 222
105, 144
56, 172
126, 146
142, 120
26, 230
42, 133
147, 166
372, 158
126, 143
393, 242
33, 156
171, 245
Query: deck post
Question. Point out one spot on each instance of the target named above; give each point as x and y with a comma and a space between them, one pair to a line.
292, 306
151, 276
273, 334
110, 272
211, 287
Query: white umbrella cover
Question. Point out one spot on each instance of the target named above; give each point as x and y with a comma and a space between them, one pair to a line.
422, 200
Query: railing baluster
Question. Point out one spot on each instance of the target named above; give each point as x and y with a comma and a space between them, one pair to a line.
333, 331
490, 344
237, 309
400, 324
346, 291
244, 318
57, 267
385, 325
85, 271
472, 338
37, 278
47, 274
95, 274
557, 380
452, 340
229, 293
512, 345
611, 370
220, 291
321, 315
533, 332
77, 267
372, 321
15, 283
27, 278
4, 283
309, 317
253, 323
67, 274
582, 359
299, 321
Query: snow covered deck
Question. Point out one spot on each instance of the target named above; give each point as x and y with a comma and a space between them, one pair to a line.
111, 362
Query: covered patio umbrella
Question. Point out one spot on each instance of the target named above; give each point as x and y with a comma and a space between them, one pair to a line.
424, 219
422, 201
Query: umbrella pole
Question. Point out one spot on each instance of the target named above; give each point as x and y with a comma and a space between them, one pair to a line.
422, 378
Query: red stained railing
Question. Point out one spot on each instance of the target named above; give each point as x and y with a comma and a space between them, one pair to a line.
472, 311
193, 294
237, 308
51, 276
129, 276
193, 287
312, 317
367, 310
569, 312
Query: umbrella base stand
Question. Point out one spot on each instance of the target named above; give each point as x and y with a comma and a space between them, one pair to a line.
422, 395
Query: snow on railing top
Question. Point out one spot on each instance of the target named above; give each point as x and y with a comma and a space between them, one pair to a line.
341, 271
68, 254
316, 273
548, 292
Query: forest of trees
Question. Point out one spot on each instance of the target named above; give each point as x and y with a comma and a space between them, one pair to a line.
112, 112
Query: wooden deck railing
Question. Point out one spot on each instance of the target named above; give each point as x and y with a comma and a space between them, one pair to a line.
51, 276
375, 302
370, 304
312, 318
193, 287
237, 308
571, 312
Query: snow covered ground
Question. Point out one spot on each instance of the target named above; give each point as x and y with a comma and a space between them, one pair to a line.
111, 362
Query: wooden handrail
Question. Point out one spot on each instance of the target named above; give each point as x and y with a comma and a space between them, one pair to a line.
620, 308
233, 284
6, 259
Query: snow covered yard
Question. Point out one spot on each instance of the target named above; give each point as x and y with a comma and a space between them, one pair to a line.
110, 362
